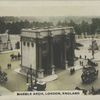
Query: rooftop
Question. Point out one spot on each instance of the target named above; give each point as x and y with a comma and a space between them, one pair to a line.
42, 32
36, 30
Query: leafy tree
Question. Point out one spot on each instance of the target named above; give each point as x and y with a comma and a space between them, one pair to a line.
95, 25
85, 27
2, 25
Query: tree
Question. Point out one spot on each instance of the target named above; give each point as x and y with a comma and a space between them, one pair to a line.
2, 25
85, 27
77, 27
71, 23
95, 25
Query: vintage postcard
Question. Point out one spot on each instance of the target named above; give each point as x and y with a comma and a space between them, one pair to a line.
49, 48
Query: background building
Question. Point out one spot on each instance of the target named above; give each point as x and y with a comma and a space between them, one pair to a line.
44, 49
5, 43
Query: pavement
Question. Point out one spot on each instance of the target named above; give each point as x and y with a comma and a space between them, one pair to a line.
64, 81
45, 79
84, 52
10, 51
4, 91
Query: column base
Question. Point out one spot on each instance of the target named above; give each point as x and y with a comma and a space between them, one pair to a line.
41, 73
53, 69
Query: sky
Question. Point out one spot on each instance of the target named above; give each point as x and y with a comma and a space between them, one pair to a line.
49, 8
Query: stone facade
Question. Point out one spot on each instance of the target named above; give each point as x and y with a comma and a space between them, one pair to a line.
46, 50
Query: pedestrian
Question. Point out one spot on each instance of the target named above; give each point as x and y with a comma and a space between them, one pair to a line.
0, 68
80, 56
93, 90
85, 57
97, 72
93, 53
73, 70
83, 67
88, 61
80, 63
8, 66
19, 55
35, 81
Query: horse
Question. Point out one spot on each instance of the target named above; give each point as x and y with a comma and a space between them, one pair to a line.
15, 57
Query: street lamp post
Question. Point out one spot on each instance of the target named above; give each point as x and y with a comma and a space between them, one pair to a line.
27, 78
92, 47
30, 76
36, 77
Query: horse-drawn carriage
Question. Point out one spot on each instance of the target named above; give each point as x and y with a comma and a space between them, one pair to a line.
80, 89
92, 63
39, 86
72, 71
89, 75
95, 91
91, 91
15, 57
3, 77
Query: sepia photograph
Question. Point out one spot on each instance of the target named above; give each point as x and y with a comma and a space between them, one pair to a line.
50, 46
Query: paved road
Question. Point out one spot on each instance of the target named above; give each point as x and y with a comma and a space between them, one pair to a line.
15, 81
65, 81
4, 91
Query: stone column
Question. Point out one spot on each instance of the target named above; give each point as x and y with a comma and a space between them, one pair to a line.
50, 42
51, 52
40, 56
9, 43
37, 56
66, 63
21, 51
71, 51
64, 48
